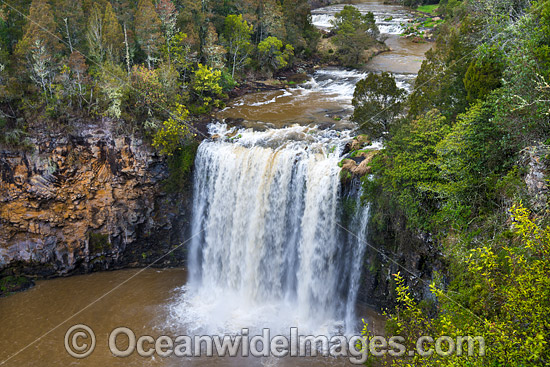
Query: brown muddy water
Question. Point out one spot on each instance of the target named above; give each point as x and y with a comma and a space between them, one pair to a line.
325, 99
34, 322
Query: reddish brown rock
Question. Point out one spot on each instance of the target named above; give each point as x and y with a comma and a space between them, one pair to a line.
92, 201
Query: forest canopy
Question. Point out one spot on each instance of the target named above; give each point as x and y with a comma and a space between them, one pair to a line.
466, 167
142, 63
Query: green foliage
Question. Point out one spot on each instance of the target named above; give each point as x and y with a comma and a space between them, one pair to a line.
112, 35
480, 79
180, 51
502, 295
440, 81
471, 158
272, 55
408, 170
227, 82
49, 79
522, 108
207, 89
300, 32
13, 134
236, 34
541, 38
377, 103
453, 174
428, 8
354, 33
13, 283
149, 92
174, 132
180, 165
149, 31
40, 28
114, 85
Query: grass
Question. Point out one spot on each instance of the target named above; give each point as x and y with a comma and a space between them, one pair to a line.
428, 8
430, 23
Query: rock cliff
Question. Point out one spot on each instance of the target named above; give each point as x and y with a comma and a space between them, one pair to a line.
90, 201
392, 246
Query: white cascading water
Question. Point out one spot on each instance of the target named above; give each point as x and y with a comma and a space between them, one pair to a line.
339, 84
389, 19
268, 250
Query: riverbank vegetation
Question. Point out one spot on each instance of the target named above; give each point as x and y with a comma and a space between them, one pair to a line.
149, 66
468, 167
354, 33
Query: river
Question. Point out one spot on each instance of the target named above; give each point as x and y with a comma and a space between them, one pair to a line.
268, 248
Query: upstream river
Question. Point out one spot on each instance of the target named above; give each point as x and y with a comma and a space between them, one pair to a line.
268, 248
327, 95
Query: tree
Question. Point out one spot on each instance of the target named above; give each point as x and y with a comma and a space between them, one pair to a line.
192, 18
149, 95
79, 77
94, 35
149, 31
125, 12
41, 66
408, 171
213, 52
236, 34
271, 55
272, 22
300, 32
41, 26
168, 15
354, 33
480, 79
112, 36
440, 81
40, 45
378, 102
471, 158
541, 49
500, 295
114, 85
174, 132
181, 58
206, 88
70, 15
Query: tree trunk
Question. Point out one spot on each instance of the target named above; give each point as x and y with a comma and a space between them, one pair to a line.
127, 49
68, 34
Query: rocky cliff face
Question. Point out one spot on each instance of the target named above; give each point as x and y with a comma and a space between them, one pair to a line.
84, 202
392, 246
414, 255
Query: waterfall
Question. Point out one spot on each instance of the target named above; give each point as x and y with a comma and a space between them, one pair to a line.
268, 249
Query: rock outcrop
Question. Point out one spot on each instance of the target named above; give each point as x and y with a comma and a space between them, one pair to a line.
91, 201
359, 154
392, 246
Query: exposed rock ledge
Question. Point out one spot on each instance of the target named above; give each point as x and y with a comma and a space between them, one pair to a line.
390, 241
87, 202
357, 158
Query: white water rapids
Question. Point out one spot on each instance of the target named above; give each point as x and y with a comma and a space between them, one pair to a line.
390, 19
268, 250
